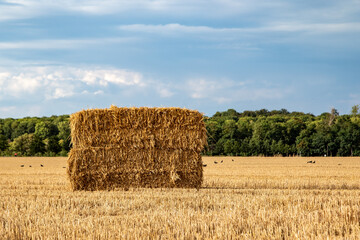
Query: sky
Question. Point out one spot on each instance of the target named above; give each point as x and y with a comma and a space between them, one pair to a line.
59, 57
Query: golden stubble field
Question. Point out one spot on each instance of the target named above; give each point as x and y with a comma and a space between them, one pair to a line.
241, 198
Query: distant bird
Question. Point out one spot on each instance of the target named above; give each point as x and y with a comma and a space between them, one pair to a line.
310, 162
22, 166
222, 161
29, 165
41, 165
232, 159
204, 165
313, 161
215, 162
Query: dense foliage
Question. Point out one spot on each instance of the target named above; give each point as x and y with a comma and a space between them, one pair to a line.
269, 133
46, 136
250, 133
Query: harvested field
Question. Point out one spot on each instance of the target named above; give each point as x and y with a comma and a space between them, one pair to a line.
251, 198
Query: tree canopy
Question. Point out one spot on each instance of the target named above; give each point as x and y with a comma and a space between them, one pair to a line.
280, 132
46, 136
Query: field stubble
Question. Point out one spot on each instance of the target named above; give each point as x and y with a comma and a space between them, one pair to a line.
241, 198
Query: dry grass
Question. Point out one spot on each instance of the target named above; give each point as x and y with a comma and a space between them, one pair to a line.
136, 147
248, 198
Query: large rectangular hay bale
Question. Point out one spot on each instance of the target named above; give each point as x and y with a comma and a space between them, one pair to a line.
136, 147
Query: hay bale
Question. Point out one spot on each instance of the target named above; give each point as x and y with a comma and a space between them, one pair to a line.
136, 147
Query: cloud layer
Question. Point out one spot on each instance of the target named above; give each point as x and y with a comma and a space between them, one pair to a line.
54, 82
318, 28
262, 9
38, 86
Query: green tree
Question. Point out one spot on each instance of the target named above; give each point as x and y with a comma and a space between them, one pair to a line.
21, 128
14, 125
244, 128
3, 143
229, 114
231, 147
244, 149
214, 133
219, 147
261, 129
64, 134
21, 144
277, 131
262, 112
52, 145
37, 146
31, 123
319, 144
260, 142
45, 129
230, 129
333, 115
7, 130
349, 138
293, 128
304, 140
355, 110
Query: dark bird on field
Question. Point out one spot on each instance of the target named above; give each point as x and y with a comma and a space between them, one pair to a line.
41, 165
215, 162
22, 166
313, 161
29, 165
222, 161
232, 159
310, 162
204, 165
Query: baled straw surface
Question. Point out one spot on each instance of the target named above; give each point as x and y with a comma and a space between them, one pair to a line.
136, 147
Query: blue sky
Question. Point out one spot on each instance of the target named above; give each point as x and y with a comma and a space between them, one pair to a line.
58, 57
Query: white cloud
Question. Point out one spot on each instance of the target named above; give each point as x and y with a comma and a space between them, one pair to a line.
64, 91
173, 28
170, 28
17, 84
54, 82
219, 91
104, 77
254, 38
46, 44
99, 92
314, 27
164, 92
228, 91
201, 88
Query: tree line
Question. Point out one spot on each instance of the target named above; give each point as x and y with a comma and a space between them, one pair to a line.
33, 136
248, 133
279, 132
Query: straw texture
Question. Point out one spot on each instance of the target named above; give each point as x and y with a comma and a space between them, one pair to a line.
136, 147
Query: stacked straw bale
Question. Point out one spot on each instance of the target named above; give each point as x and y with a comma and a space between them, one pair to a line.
136, 147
